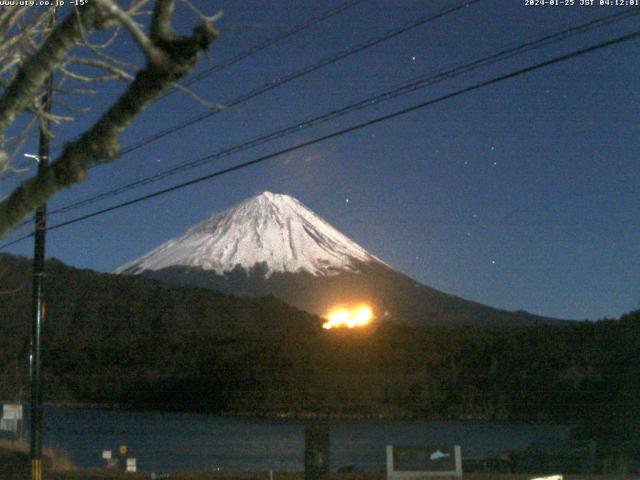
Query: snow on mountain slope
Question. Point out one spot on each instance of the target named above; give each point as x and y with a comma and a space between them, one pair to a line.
270, 228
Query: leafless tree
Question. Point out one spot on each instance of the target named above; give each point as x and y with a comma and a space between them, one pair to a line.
32, 47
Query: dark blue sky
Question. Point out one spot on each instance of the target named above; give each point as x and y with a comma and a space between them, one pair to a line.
522, 195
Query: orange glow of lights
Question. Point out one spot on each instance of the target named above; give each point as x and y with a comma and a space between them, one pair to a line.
359, 316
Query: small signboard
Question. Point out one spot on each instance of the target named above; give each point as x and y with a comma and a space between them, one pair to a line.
131, 465
9, 425
11, 411
106, 454
405, 463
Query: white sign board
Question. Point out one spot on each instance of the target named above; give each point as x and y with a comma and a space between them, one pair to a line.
12, 412
9, 425
106, 454
131, 465
413, 463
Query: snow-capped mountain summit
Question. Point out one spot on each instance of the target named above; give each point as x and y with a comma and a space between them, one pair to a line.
272, 229
271, 244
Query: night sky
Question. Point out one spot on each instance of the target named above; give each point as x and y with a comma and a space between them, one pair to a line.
521, 195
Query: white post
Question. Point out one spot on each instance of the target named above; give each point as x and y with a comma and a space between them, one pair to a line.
458, 452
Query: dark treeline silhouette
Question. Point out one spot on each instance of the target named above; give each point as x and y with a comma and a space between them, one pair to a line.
138, 343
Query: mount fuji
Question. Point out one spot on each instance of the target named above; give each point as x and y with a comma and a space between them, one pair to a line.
271, 244
270, 229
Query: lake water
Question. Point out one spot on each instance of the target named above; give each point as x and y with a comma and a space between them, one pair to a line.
179, 441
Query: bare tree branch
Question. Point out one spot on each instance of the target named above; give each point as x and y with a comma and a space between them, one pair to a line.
91, 79
135, 6
200, 15
148, 47
36, 69
161, 21
74, 91
174, 57
198, 99
65, 106
116, 72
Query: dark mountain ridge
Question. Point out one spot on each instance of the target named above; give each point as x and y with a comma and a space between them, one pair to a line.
140, 343
393, 296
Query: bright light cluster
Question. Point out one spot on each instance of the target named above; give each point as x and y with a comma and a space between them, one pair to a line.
359, 316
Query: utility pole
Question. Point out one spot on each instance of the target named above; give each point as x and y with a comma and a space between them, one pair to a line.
38, 305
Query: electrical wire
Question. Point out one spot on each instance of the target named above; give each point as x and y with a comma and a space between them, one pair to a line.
295, 75
258, 48
409, 87
353, 128
298, 74
270, 42
267, 87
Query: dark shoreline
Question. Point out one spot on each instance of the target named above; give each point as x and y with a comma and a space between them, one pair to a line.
297, 416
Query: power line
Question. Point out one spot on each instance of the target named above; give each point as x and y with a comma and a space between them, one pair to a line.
293, 76
261, 46
270, 42
300, 73
409, 87
267, 87
353, 128
305, 71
